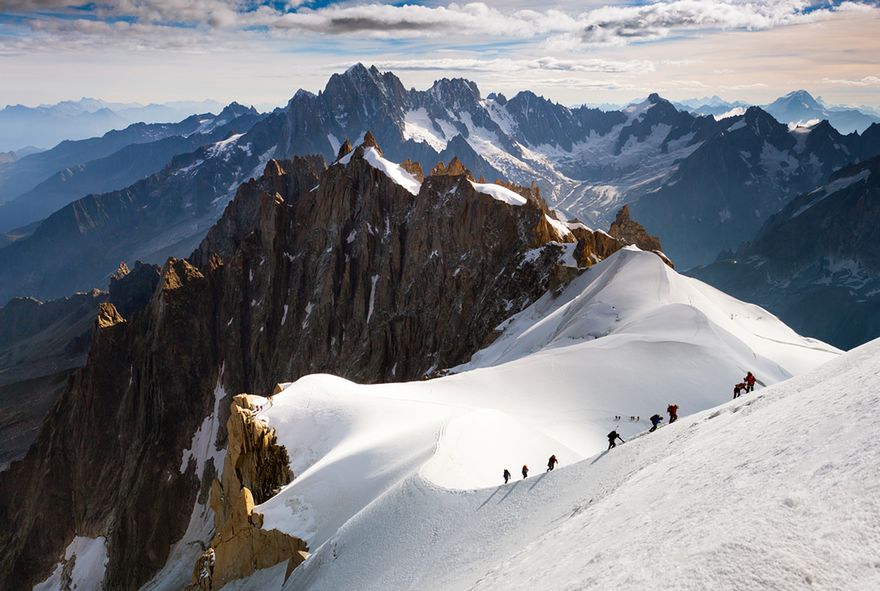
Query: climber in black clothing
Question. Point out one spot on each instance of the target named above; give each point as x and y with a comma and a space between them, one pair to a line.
525, 471
551, 463
655, 422
612, 439
506, 475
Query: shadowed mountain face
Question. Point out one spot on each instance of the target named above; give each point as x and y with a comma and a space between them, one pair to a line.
721, 194
816, 263
366, 269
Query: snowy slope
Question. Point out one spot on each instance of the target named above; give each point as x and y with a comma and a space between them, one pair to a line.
767, 492
403, 468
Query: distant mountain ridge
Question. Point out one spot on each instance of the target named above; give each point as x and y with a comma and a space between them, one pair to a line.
47, 125
797, 107
111, 162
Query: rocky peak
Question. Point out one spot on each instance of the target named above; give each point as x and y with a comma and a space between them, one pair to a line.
108, 316
235, 109
454, 168
370, 142
344, 149
629, 231
121, 271
457, 94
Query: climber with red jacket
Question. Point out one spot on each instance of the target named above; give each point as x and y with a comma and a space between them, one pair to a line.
672, 409
750, 382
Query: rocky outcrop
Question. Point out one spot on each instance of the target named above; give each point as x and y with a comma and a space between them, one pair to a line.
352, 275
629, 231
254, 468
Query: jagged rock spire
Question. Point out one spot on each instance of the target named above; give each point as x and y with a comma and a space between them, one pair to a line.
121, 271
454, 168
344, 149
370, 141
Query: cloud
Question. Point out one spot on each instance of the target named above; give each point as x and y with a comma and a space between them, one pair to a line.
864, 81
508, 65
567, 27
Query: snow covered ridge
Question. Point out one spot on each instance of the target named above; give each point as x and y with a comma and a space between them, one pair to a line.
409, 182
392, 170
412, 469
499, 193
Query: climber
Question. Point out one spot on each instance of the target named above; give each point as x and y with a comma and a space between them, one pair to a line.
655, 422
525, 471
750, 382
737, 390
506, 475
612, 437
672, 409
551, 463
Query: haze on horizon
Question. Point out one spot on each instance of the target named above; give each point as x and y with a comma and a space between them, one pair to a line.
260, 52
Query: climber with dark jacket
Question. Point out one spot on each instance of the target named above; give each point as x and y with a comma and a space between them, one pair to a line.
506, 475
551, 463
525, 471
612, 439
737, 390
655, 422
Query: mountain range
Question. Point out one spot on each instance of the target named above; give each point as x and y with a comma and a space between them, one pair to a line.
34, 186
798, 107
587, 162
47, 125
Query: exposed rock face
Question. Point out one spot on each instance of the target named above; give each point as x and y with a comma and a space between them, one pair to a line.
816, 264
255, 466
748, 169
352, 275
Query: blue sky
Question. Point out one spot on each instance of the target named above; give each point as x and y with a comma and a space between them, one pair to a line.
571, 51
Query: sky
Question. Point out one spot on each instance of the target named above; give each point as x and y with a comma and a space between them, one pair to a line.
571, 51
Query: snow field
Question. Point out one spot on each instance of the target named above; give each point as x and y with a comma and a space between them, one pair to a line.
625, 338
769, 491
